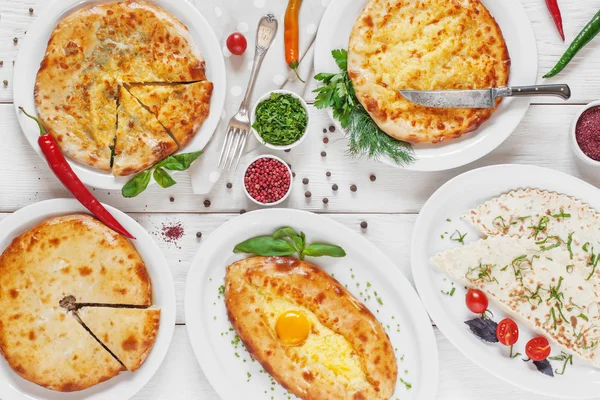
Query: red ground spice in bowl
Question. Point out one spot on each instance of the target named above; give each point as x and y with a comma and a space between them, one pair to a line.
587, 133
267, 180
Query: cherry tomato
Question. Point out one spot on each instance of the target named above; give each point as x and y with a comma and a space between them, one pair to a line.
538, 348
476, 301
236, 43
507, 332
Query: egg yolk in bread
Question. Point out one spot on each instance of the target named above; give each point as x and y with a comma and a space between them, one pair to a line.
292, 327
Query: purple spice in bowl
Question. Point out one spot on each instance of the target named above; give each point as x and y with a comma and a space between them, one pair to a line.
587, 133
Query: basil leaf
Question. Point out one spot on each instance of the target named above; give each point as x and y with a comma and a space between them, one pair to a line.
303, 237
320, 250
137, 184
179, 162
163, 178
265, 246
285, 232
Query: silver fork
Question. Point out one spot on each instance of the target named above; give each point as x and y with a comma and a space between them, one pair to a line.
239, 125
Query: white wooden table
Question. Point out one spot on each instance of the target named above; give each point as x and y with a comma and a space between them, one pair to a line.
389, 204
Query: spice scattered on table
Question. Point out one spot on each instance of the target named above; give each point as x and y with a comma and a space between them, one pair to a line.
305, 181
267, 180
287, 150
206, 203
281, 119
373, 178
172, 232
198, 235
323, 154
332, 128
325, 200
307, 194
229, 185
334, 187
30, 10
587, 133
324, 130
171, 199
364, 225
325, 140
293, 174
5, 82
242, 211
1, 63
16, 39
328, 174
353, 188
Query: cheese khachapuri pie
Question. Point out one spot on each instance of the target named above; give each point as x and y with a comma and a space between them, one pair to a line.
425, 45
308, 332
65, 260
100, 48
539, 263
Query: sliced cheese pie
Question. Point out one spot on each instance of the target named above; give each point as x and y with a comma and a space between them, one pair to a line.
72, 257
180, 108
141, 139
129, 333
537, 284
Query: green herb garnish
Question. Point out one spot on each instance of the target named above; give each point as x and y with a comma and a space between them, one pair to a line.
280, 120
286, 242
449, 293
177, 162
366, 139
458, 237
482, 272
566, 358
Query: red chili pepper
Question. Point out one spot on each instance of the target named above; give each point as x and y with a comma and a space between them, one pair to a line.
556, 16
63, 171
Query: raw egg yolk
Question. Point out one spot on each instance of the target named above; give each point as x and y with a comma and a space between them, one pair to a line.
292, 327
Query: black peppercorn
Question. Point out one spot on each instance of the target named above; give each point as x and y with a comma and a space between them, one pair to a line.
325, 200
332, 128
307, 194
328, 174
287, 150
207, 203
364, 225
31, 10
293, 174
198, 235
353, 188
324, 130
323, 154
229, 185
15, 39
325, 140
171, 199
305, 181
373, 178
334, 187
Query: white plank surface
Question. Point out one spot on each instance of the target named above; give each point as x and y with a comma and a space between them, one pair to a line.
389, 204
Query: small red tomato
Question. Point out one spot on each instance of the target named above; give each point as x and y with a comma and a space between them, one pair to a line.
236, 43
477, 301
507, 332
538, 348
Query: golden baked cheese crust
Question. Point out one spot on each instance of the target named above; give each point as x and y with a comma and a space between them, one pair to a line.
73, 255
94, 51
180, 108
346, 354
425, 45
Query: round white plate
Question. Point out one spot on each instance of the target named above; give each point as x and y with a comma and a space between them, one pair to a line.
454, 199
33, 47
334, 33
228, 366
126, 384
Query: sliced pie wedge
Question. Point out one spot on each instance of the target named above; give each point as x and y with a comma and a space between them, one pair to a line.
128, 332
141, 140
181, 108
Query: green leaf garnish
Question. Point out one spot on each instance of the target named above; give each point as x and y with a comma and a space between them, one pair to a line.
319, 250
265, 246
136, 185
163, 178
280, 120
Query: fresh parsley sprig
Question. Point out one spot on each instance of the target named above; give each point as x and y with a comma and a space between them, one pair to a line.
177, 162
365, 138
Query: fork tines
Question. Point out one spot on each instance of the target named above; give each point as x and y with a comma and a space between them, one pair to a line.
233, 147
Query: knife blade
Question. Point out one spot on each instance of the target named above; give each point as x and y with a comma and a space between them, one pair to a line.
480, 98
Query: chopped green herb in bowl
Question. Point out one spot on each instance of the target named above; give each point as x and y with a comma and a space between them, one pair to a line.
280, 119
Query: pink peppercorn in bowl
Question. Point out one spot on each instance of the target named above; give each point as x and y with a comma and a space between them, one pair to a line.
267, 180
585, 134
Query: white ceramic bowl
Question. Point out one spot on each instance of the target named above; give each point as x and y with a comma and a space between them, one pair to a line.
574, 145
253, 120
286, 194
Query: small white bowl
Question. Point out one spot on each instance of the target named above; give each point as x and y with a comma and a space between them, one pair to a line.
289, 172
574, 145
253, 120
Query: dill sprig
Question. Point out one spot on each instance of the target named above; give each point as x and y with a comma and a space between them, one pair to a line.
365, 138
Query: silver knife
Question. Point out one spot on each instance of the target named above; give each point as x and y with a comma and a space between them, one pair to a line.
480, 98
